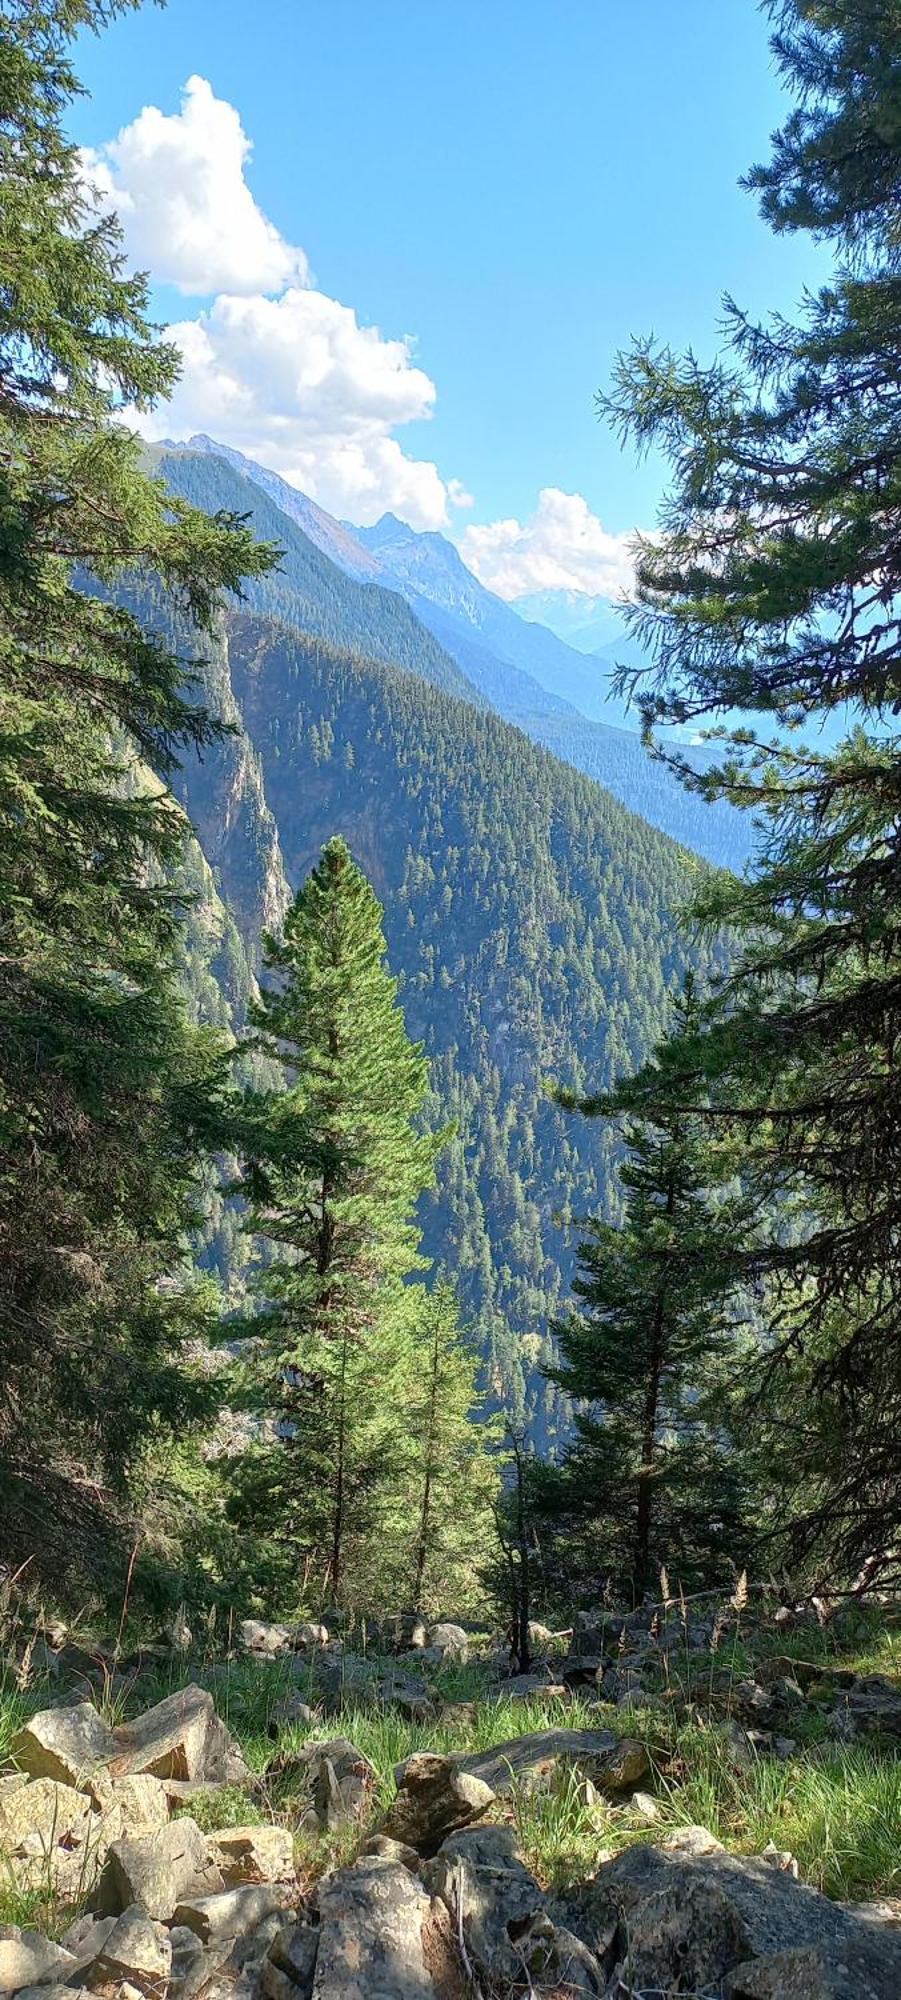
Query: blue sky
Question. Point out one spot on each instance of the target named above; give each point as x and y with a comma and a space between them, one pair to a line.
517, 190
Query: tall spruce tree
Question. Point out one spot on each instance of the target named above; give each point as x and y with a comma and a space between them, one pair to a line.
104, 1085
335, 1167
775, 589
653, 1479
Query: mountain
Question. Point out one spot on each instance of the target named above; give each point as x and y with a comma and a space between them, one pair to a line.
587, 623
309, 590
345, 585
529, 915
432, 574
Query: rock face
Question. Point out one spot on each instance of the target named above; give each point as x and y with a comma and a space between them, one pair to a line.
434, 1796
703, 1919
373, 1942
67, 1744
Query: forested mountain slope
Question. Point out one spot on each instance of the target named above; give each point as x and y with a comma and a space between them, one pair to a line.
531, 918
446, 627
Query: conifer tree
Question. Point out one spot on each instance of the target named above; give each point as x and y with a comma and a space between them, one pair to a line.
335, 1167
651, 1479
455, 1477
775, 589
104, 1085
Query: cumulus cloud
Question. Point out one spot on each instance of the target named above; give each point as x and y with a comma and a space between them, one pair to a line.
271, 366
298, 383
178, 186
563, 546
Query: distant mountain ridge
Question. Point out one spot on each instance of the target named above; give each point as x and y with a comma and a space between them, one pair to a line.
408, 598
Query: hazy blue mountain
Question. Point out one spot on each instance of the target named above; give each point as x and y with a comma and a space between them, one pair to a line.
335, 540
431, 571
585, 622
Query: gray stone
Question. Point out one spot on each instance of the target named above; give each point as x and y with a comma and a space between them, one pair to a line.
27, 1958
255, 1637
612, 1763
805, 1974
86, 1937
138, 1950
182, 1737
293, 1954
67, 1744
232, 1914
452, 1639
158, 1870
374, 1920
193, 1963
405, 1631
690, 1911
434, 1796
252, 1854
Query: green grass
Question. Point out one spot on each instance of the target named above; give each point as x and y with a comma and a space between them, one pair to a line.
836, 1807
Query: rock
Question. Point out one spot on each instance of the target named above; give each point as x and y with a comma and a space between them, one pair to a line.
691, 1840
510, 1938
35, 1818
871, 1707
182, 1737
404, 1632
391, 1850
67, 1744
292, 1712
434, 1797
613, 1763
158, 1870
695, 1917
129, 1806
86, 1937
193, 1964
305, 1635
644, 1806
780, 1857
29, 1959
794, 1975
137, 1949
268, 1640
373, 1935
232, 1914
293, 1954
452, 1639
252, 1854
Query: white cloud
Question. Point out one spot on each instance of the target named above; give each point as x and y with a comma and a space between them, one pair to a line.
563, 546
270, 366
187, 212
298, 383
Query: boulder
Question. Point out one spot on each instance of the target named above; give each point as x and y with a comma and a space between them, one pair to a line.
29, 1959
404, 1632
291, 1712
452, 1640
50, 1837
129, 1807
510, 1938
805, 1974
434, 1796
252, 1854
374, 1921
696, 1917
86, 1937
193, 1963
612, 1763
182, 1737
233, 1913
67, 1744
267, 1640
137, 1950
305, 1635
158, 1870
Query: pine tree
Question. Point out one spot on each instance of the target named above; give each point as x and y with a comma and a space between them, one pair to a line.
454, 1475
335, 1167
774, 589
652, 1479
104, 1085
